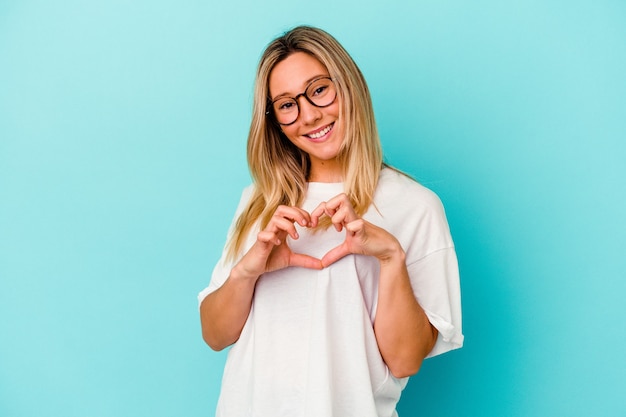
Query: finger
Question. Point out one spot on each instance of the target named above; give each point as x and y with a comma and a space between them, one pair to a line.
334, 255
355, 226
269, 238
343, 216
318, 212
305, 261
294, 214
339, 201
336, 218
325, 209
349, 215
340, 209
281, 224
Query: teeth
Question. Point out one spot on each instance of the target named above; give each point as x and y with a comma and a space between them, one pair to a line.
320, 133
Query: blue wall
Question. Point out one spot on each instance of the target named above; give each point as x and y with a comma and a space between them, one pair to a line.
122, 156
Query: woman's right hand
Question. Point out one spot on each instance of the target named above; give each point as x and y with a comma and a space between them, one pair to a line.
223, 313
271, 252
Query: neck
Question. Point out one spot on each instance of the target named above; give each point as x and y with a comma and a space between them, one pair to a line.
326, 171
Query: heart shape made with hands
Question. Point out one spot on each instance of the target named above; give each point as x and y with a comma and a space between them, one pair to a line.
342, 216
360, 238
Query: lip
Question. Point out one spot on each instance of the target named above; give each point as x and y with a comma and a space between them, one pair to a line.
321, 138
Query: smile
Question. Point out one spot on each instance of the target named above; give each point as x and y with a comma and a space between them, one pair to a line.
321, 133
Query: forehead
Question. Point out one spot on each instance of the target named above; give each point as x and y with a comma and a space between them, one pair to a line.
291, 75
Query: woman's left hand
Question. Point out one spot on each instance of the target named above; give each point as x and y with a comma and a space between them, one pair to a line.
403, 332
362, 237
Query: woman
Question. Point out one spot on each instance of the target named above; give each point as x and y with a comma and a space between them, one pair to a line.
340, 275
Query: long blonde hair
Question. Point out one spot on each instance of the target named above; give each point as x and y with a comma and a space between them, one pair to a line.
278, 168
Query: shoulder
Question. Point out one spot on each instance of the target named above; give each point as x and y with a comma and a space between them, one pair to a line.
412, 213
246, 196
247, 192
395, 187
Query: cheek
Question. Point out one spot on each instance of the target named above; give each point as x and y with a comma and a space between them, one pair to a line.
291, 137
339, 117
337, 106
289, 132
339, 120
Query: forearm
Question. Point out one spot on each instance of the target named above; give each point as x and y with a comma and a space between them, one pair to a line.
224, 312
403, 332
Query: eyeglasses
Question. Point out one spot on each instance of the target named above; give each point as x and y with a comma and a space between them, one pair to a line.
320, 92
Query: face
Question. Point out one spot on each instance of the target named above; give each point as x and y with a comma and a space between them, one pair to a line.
317, 130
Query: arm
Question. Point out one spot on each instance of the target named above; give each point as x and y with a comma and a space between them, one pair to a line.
224, 312
403, 332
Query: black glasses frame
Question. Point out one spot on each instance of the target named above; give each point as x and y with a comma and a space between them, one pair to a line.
295, 99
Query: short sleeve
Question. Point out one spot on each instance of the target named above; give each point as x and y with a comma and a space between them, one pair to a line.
416, 217
222, 269
435, 281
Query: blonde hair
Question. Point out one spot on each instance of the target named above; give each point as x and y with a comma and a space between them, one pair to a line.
278, 168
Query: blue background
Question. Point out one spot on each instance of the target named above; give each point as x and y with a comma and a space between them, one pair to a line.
122, 157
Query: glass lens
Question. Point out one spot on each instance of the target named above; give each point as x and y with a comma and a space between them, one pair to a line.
286, 110
321, 92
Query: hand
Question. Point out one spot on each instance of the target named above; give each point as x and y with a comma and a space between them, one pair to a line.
270, 252
362, 237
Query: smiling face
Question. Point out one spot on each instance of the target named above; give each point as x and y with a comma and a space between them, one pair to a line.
317, 130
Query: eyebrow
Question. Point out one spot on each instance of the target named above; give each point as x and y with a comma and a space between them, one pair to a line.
306, 83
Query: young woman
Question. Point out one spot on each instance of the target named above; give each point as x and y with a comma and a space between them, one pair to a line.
340, 275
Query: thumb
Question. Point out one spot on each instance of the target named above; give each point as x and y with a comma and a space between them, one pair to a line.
305, 261
334, 255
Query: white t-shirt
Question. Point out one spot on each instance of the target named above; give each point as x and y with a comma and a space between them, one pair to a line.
308, 347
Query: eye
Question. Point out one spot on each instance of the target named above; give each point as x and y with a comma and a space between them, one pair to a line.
283, 106
319, 88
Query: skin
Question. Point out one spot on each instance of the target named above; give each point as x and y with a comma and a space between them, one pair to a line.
403, 332
289, 78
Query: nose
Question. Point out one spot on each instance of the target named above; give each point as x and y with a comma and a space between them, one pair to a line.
308, 112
